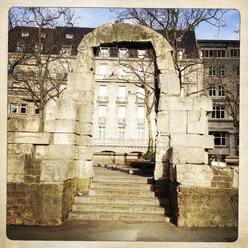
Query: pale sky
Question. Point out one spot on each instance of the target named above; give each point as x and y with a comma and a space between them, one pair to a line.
95, 17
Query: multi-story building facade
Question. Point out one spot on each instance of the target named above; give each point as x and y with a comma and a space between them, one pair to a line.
221, 81
121, 126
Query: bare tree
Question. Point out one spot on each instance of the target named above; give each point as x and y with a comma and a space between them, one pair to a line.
35, 46
141, 71
174, 24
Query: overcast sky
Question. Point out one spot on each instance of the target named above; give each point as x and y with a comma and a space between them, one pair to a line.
95, 17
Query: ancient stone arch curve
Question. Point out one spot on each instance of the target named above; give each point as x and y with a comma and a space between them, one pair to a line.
73, 118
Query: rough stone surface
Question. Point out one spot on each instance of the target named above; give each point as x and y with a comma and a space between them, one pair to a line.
197, 122
177, 121
28, 138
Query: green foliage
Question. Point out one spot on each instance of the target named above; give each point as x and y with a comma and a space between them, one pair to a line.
149, 155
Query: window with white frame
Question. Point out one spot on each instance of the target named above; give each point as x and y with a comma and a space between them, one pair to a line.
66, 50
212, 71
219, 138
141, 95
221, 91
102, 115
101, 132
23, 109
43, 35
20, 47
123, 53
36, 47
180, 54
141, 115
218, 112
65, 68
102, 93
235, 52
13, 108
69, 36
104, 52
214, 53
36, 110
25, 34
62, 87
141, 54
222, 71
121, 115
103, 69
16, 86
141, 133
141, 70
212, 91
121, 133
122, 71
122, 94
37, 87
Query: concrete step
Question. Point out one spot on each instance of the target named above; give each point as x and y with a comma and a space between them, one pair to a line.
128, 179
122, 200
121, 185
110, 216
121, 192
121, 208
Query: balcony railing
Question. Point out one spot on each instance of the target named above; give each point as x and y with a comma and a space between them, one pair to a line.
121, 121
102, 99
102, 120
122, 99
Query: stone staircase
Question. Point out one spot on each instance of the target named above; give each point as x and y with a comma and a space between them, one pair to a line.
115, 198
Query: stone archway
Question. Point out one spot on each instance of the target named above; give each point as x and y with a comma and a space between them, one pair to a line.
79, 95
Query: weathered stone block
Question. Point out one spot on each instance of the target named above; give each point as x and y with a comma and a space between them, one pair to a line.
66, 108
85, 128
193, 175
63, 126
169, 83
175, 103
197, 122
105, 33
84, 153
84, 140
203, 104
28, 138
186, 155
57, 170
24, 125
85, 169
192, 140
163, 122
85, 112
64, 138
177, 121
77, 82
60, 152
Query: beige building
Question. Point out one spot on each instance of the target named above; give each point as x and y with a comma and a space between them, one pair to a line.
120, 123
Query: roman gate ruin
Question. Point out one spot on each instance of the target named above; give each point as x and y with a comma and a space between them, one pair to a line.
59, 161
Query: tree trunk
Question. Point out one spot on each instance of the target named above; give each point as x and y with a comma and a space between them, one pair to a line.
150, 137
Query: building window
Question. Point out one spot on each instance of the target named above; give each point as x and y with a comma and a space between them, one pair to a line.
13, 108
219, 138
212, 91
101, 132
20, 47
102, 93
141, 95
235, 52
142, 71
122, 96
123, 53
17, 70
65, 68
222, 71
43, 35
121, 115
23, 109
36, 47
141, 54
25, 34
214, 53
212, 71
103, 69
122, 71
221, 91
69, 36
141, 115
121, 133
104, 52
102, 115
180, 54
218, 112
66, 51
141, 133
36, 110
62, 87
16, 86
37, 87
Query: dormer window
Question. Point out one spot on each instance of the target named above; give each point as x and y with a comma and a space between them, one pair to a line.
25, 34
20, 47
66, 51
123, 53
43, 35
36, 47
104, 52
69, 36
